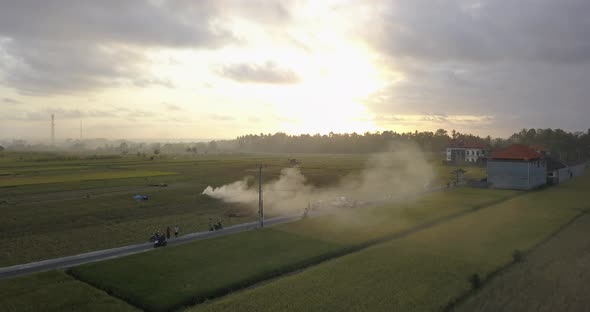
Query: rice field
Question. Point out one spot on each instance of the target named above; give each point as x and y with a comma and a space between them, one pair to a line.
61, 178
55, 291
54, 207
337, 262
422, 272
191, 273
553, 277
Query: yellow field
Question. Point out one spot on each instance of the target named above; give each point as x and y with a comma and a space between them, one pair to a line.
16, 181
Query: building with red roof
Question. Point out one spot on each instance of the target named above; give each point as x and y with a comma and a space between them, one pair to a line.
517, 167
516, 152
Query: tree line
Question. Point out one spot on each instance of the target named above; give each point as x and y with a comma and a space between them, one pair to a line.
565, 145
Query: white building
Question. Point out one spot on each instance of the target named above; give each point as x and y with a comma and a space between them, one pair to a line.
469, 153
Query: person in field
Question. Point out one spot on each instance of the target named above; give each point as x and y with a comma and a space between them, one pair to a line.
168, 232
176, 230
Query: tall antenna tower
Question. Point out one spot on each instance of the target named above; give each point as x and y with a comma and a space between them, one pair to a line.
52, 129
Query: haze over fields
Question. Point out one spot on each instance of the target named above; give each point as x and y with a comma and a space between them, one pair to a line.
218, 69
402, 171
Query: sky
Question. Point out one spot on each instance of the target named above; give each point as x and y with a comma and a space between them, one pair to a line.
212, 69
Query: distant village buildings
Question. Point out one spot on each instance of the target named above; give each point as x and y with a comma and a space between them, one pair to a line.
517, 166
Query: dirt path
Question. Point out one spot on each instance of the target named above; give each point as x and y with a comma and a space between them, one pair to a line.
553, 277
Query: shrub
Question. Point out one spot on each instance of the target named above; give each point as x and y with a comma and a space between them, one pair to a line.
517, 256
475, 281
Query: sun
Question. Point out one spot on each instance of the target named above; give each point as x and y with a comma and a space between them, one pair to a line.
331, 94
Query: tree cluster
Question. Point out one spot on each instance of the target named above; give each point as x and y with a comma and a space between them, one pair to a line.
368, 142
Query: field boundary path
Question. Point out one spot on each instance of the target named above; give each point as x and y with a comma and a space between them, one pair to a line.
70, 261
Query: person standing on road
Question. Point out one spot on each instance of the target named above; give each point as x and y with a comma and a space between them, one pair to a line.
168, 232
176, 230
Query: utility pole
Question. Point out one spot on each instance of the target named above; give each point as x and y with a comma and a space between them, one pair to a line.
52, 130
260, 202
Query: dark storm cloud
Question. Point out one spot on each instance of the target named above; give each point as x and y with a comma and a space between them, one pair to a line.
173, 23
485, 31
267, 73
66, 46
41, 67
529, 59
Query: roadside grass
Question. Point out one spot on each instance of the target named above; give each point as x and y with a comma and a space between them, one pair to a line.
424, 271
60, 178
169, 278
55, 291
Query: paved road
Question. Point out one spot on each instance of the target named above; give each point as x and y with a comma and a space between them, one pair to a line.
70, 261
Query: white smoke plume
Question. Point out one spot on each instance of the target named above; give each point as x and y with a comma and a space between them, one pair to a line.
402, 171
236, 192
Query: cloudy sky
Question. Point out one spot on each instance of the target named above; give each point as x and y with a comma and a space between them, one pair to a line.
220, 68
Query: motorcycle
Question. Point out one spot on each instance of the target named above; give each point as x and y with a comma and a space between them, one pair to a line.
160, 241
154, 237
215, 226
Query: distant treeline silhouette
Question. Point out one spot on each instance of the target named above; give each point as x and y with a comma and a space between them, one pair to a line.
569, 146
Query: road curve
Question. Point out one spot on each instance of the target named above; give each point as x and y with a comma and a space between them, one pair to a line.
70, 261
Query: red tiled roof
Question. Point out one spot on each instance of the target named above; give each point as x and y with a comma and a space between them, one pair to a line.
516, 152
